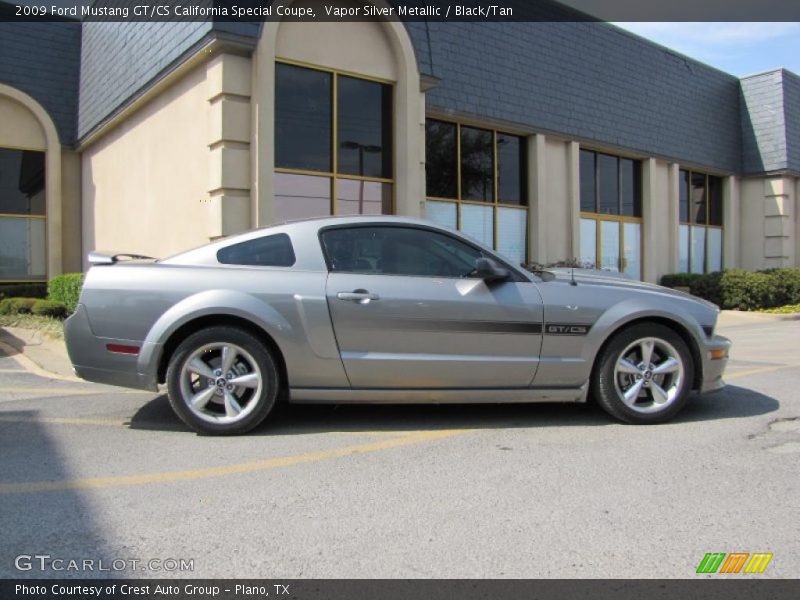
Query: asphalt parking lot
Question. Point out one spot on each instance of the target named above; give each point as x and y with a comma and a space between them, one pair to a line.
99, 473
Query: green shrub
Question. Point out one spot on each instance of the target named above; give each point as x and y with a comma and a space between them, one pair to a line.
66, 288
703, 286
23, 290
742, 290
680, 279
785, 285
746, 290
50, 308
17, 306
708, 287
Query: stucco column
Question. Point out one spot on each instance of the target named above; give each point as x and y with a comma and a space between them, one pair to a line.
649, 224
262, 119
730, 222
228, 80
53, 201
537, 213
778, 222
409, 126
71, 237
797, 222
418, 142
674, 216
574, 195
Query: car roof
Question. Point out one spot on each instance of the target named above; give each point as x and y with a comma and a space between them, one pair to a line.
296, 227
352, 219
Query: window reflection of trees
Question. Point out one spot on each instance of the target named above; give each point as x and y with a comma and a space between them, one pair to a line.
476, 165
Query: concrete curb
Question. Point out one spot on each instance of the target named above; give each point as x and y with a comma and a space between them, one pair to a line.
740, 317
37, 353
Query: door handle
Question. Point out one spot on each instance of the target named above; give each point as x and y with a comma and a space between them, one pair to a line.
358, 296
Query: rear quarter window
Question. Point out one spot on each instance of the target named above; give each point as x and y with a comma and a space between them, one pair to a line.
268, 251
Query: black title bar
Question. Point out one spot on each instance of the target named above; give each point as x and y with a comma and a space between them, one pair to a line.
499, 11
728, 588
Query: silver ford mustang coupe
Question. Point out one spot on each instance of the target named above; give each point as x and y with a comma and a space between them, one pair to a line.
383, 310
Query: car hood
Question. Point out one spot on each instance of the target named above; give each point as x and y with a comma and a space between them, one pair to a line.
620, 280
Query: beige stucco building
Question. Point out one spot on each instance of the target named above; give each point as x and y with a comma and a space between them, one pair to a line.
193, 131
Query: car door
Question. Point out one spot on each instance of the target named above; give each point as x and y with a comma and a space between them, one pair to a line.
406, 314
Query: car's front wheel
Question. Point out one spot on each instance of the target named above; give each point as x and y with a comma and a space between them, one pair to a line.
222, 381
644, 374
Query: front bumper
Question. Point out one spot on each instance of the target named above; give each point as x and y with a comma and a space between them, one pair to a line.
713, 368
92, 361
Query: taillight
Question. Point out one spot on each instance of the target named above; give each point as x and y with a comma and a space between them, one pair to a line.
122, 349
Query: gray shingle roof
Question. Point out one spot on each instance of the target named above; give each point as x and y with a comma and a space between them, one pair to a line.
763, 124
584, 80
770, 116
592, 81
791, 110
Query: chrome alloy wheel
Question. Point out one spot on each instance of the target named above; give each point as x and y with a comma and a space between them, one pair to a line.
221, 383
648, 375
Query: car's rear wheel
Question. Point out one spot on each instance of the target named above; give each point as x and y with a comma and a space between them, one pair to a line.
644, 374
222, 381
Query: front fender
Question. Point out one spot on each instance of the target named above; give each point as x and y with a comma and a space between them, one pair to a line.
626, 312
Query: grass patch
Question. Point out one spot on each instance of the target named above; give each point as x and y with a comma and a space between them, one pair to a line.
46, 325
782, 310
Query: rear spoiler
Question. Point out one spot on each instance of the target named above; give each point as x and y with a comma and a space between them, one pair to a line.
109, 258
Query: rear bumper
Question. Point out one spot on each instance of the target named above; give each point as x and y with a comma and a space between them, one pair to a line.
713, 368
92, 361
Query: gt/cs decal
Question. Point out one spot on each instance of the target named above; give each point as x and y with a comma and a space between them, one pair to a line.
566, 329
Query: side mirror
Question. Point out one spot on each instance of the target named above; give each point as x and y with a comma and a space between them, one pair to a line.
489, 271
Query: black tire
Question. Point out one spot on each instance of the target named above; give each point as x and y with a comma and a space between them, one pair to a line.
644, 408
213, 418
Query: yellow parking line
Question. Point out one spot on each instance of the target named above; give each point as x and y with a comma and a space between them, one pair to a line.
374, 433
66, 421
126, 423
248, 467
48, 391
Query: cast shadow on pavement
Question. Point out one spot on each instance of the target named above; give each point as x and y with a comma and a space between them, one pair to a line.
56, 524
731, 403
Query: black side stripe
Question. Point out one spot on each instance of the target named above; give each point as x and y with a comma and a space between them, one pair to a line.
461, 326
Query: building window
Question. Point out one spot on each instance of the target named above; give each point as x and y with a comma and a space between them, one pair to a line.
700, 229
333, 143
611, 212
22, 216
476, 181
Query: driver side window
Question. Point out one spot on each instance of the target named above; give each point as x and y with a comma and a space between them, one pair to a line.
397, 251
